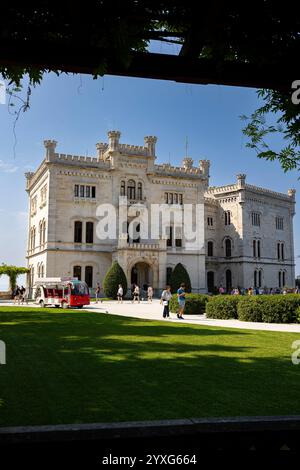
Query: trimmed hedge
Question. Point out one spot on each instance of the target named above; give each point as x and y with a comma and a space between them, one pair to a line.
194, 304
270, 308
222, 307
258, 308
114, 276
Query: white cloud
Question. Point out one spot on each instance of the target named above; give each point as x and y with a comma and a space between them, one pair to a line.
7, 167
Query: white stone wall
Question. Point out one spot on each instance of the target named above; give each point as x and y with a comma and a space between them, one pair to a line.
118, 162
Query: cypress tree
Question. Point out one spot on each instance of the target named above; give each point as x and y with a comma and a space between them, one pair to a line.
114, 276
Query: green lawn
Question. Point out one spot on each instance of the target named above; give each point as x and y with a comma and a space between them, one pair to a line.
77, 366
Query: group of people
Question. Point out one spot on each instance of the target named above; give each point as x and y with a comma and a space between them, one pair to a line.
19, 295
135, 293
259, 291
165, 301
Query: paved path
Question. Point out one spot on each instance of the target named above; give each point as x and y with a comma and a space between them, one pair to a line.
153, 311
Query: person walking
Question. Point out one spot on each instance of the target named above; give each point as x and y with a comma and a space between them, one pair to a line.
98, 292
136, 294
165, 300
22, 294
120, 294
16, 295
150, 293
181, 301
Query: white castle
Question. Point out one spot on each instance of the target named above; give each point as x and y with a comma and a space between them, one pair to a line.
245, 235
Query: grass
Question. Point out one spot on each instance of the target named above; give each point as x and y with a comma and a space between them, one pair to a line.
77, 366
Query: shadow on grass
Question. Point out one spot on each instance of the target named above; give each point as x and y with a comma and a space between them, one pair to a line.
70, 367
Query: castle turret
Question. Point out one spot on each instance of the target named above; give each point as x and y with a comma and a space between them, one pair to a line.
50, 146
241, 180
187, 163
204, 166
150, 142
113, 140
101, 147
292, 193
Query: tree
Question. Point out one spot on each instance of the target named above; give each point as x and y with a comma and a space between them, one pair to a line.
180, 275
12, 272
114, 276
285, 108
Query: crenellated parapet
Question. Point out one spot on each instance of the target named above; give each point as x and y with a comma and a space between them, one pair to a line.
50, 146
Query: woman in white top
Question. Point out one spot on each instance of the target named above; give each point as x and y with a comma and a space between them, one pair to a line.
120, 294
165, 300
150, 294
136, 294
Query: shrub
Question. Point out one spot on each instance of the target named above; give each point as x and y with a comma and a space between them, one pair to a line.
194, 304
269, 308
250, 309
180, 275
297, 315
114, 276
222, 307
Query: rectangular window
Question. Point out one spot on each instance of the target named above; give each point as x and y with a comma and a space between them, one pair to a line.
166, 198
89, 232
170, 237
76, 190
180, 199
87, 191
171, 198
78, 232
93, 192
175, 198
77, 272
279, 223
89, 275
81, 190
255, 218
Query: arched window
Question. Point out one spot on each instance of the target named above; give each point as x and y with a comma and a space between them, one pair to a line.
131, 189
140, 191
122, 189
43, 232
258, 248
279, 279
210, 281
255, 279
282, 251
210, 249
89, 275
228, 280
169, 273
254, 248
89, 235
283, 278
227, 248
78, 232
41, 270
260, 278
77, 272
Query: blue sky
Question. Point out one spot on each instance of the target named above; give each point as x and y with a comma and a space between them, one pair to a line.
77, 111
